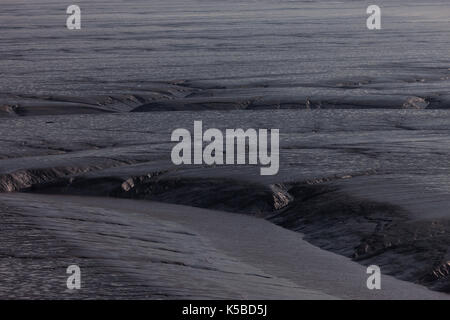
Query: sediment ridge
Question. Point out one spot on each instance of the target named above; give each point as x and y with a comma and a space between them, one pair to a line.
369, 232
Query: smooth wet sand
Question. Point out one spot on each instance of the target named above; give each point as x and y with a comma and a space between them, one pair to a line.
142, 249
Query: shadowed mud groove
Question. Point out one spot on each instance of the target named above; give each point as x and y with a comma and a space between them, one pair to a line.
160, 102
259, 103
368, 232
27, 178
219, 194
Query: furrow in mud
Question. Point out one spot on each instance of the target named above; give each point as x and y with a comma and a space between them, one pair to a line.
367, 231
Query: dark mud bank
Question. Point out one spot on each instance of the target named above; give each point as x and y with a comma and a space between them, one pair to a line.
366, 231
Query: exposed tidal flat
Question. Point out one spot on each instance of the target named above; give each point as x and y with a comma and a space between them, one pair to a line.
191, 55
364, 157
371, 185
